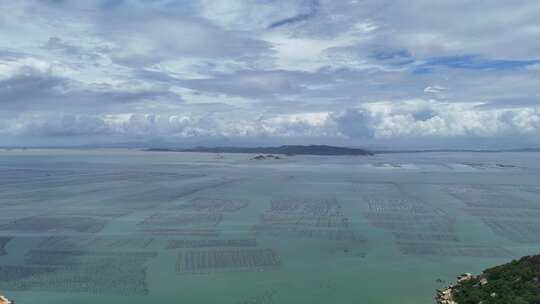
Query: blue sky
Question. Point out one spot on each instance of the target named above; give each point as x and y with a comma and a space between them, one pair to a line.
356, 72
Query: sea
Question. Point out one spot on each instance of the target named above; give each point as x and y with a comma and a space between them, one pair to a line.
118, 226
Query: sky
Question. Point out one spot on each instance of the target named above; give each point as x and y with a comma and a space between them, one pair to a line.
366, 73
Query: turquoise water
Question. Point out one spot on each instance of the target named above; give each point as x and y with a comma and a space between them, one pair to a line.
121, 226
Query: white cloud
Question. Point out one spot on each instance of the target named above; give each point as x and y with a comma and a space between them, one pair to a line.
399, 120
157, 39
311, 53
247, 14
23, 66
435, 89
159, 69
380, 121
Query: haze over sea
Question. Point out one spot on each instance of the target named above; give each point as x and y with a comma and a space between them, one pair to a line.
138, 143
127, 226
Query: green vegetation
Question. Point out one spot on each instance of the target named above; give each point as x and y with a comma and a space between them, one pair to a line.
517, 282
286, 150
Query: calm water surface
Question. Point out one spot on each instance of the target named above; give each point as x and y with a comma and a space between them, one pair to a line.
120, 226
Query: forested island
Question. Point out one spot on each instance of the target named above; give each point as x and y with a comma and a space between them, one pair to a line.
286, 150
517, 282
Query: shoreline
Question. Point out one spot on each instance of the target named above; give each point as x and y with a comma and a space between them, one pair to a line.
4, 300
445, 296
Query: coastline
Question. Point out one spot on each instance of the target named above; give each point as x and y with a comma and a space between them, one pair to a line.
4, 300
445, 296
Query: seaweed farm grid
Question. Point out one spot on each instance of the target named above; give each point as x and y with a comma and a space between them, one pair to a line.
418, 227
78, 271
139, 227
509, 216
203, 261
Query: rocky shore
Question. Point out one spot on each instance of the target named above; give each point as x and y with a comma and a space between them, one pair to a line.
516, 282
444, 296
264, 157
4, 300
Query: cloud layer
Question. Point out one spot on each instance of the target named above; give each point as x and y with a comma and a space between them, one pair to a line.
368, 73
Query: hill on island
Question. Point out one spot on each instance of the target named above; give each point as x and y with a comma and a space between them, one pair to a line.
517, 282
287, 150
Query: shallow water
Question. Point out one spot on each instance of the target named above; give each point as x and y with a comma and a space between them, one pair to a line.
121, 226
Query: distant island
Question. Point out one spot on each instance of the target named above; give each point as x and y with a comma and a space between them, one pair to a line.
286, 150
517, 282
